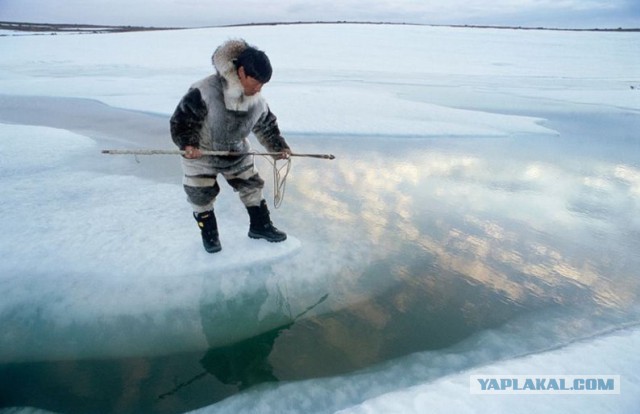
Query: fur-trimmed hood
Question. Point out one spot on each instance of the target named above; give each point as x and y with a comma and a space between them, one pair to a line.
223, 61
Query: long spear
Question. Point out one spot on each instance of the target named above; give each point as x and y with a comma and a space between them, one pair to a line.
204, 152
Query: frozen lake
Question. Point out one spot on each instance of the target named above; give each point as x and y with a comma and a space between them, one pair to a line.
480, 218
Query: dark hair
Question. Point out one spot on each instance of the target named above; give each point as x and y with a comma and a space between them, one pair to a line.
255, 63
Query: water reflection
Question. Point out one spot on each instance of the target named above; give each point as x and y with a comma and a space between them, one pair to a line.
423, 244
525, 226
242, 365
245, 363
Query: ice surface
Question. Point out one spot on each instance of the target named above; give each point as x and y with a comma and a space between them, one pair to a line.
611, 353
100, 257
95, 244
24, 410
376, 93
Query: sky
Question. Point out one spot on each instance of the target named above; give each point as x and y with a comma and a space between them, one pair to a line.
199, 13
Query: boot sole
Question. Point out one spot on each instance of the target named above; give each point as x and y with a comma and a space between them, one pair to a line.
214, 250
259, 236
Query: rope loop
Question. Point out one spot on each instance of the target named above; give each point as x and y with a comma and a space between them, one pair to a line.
280, 175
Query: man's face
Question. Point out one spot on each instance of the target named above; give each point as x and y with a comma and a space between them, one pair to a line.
250, 85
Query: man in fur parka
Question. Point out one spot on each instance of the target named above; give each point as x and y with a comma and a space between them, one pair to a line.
218, 113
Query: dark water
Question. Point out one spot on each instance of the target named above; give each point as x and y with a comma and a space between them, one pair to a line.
409, 244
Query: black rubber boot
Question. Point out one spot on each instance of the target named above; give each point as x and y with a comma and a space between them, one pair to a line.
261, 226
209, 231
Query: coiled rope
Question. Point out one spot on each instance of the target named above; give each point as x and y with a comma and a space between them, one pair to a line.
279, 178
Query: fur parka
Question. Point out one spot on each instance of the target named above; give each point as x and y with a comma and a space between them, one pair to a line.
216, 115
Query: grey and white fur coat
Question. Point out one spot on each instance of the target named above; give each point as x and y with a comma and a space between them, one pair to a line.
216, 115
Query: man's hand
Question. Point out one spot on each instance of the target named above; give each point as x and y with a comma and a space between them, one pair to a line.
284, 154
192, 152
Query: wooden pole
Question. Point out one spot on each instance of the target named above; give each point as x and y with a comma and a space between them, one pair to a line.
204, 152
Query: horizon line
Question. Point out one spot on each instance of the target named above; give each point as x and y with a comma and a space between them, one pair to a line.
39, 27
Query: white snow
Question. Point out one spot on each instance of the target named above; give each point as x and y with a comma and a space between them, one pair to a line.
612, 353
87, 242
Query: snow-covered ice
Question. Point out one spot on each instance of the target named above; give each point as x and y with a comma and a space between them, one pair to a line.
500, 161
